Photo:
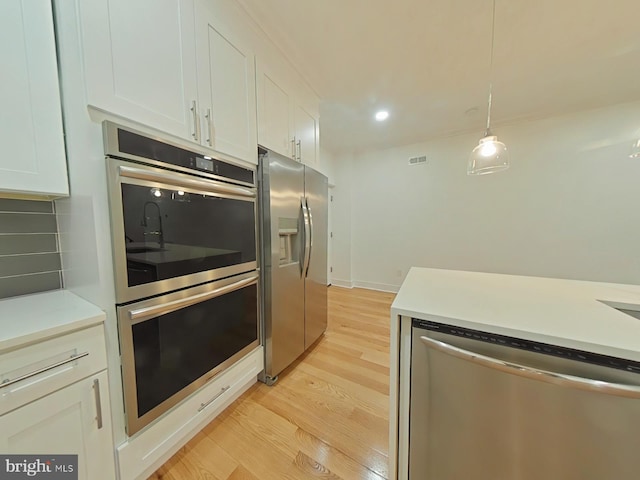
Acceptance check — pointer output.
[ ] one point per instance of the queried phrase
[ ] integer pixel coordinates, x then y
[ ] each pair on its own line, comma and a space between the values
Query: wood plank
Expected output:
356, 363
336, 430
348, 392
207, 456
313, 468
381, 358
327, 417
253, 452
337, 461
351, 372
242, 473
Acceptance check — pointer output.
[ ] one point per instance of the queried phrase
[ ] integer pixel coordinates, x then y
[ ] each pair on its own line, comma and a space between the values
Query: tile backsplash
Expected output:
29, 254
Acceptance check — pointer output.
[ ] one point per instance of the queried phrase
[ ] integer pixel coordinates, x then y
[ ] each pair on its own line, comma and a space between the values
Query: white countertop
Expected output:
568, 313
36, 317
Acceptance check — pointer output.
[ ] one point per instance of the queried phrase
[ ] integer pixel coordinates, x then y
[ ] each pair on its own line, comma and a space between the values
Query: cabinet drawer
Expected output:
29, 373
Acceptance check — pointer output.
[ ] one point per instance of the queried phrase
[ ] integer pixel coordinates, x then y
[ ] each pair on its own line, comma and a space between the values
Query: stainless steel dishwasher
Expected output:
491, 407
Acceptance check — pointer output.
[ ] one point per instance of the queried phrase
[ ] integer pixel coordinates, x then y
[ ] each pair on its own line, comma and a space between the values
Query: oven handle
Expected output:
150, 312
554, 378
173, 179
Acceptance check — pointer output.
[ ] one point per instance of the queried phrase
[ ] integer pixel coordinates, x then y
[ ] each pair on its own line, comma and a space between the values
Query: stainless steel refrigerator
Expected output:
293, 218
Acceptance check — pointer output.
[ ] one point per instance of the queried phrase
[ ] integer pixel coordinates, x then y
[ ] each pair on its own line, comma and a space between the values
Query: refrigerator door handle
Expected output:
307, 237
310, 244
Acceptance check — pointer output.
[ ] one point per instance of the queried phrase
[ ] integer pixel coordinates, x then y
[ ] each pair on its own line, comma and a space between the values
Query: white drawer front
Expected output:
29, 373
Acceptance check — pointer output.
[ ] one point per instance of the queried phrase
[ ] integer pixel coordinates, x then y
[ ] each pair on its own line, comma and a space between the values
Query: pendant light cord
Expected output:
493, 35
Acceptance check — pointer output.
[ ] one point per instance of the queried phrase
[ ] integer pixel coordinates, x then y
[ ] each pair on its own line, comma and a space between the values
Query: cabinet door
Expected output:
33, 157
306, 121
275, 122
226, 87
306, 125
66, 422
139, 61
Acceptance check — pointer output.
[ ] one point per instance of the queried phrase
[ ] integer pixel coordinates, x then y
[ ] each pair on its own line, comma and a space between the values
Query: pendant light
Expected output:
490, 155
635, 150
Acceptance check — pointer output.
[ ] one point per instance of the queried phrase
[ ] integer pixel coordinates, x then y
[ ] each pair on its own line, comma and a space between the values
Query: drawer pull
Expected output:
96, 392
72, 358
206, 404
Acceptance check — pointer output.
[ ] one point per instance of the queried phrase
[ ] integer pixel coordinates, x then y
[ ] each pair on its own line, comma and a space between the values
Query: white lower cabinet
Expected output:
74, 420
54, 400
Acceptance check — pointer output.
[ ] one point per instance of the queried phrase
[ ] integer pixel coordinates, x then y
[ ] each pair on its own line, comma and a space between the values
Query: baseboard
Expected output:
341, 283
383, 287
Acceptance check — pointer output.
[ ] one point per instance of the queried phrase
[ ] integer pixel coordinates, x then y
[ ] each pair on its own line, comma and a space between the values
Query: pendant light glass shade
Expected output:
488, 157
635, 150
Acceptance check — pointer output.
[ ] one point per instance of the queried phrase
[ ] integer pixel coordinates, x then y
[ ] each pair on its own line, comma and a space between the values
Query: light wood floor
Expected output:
327, 416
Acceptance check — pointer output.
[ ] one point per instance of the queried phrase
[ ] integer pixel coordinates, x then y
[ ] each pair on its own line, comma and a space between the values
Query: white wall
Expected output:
568, 207
326, 163
340, 258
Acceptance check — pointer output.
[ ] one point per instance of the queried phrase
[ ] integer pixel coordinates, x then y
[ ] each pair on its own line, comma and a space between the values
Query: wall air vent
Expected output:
418, 160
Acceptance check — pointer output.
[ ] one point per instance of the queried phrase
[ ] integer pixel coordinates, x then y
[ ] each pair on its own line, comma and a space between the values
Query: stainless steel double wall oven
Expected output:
184, 239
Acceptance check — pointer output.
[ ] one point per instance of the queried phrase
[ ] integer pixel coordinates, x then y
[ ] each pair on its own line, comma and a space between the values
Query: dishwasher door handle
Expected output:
554, 378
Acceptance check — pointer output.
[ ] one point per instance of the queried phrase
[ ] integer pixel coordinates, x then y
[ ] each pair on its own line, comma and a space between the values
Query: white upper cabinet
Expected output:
226, 86
288, 119
140, 62
306, 135
174, 66
275, 114
306, 119
33, 155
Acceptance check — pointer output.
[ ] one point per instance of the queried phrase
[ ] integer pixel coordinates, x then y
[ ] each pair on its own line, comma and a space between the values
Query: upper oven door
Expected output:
171, 230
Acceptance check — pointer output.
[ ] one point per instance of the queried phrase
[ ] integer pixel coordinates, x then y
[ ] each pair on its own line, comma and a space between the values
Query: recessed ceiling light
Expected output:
382, 115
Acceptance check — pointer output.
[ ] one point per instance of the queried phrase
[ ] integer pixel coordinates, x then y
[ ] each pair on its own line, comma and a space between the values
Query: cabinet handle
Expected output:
299, 151
207, 116
217, 395
293, 148
96, 393
194, 113
72, 358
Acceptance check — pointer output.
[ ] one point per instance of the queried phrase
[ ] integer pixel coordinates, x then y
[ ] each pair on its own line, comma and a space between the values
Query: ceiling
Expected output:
427, 62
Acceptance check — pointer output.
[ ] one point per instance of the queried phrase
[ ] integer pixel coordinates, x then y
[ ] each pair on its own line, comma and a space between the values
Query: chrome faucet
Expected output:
144, 223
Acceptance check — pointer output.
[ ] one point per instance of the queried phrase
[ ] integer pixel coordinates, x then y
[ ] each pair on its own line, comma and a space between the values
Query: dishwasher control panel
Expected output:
529, 345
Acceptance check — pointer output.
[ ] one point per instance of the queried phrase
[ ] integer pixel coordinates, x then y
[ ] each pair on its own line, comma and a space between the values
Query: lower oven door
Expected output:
173, 344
